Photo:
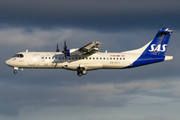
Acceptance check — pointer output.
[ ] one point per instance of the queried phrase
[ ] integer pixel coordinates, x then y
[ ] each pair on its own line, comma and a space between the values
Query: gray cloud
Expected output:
18, 97
158, 118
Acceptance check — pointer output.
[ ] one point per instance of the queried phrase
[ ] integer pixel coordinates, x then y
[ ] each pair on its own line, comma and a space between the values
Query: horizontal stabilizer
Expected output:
168, 58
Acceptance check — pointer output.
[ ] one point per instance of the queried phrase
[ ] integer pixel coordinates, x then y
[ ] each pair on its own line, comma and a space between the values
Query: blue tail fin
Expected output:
159, 44
155, 50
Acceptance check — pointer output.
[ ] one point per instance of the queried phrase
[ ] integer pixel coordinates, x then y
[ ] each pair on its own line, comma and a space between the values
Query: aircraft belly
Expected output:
87, 65
94, 66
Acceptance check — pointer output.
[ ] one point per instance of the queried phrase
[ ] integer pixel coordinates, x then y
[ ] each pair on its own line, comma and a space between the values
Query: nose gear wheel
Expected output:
15, 71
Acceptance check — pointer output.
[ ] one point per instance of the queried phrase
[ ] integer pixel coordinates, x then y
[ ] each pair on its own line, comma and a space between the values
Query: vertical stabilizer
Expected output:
159, 44
155, 50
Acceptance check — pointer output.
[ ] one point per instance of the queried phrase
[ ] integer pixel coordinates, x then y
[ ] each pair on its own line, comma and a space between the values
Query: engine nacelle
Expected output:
73, 52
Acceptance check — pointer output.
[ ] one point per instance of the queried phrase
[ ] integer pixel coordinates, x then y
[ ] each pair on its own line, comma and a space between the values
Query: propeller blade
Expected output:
57, 50
65, 46
65, 50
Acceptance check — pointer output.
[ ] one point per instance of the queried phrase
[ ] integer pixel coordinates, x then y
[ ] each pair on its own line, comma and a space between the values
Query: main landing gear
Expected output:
81, 71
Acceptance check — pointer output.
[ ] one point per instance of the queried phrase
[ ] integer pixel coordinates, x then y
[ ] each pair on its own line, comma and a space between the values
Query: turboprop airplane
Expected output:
88, 58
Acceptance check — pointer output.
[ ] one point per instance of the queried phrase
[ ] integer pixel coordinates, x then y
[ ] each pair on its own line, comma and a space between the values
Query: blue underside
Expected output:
146, 59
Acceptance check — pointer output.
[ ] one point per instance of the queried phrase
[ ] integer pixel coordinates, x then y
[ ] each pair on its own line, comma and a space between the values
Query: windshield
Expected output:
18, 55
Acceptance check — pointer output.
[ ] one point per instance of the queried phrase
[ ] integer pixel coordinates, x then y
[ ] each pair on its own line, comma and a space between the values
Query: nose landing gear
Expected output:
15, 71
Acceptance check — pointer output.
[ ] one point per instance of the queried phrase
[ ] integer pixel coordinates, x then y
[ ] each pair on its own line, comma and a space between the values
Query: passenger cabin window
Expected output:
19, 55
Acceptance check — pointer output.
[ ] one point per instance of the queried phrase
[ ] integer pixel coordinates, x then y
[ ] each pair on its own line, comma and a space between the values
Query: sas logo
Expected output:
158, 48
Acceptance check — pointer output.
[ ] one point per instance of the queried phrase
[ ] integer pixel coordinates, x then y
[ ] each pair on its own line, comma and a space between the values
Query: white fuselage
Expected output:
57, 60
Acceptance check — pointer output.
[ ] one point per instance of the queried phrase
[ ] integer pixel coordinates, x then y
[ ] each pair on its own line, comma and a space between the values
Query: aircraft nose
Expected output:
7, 62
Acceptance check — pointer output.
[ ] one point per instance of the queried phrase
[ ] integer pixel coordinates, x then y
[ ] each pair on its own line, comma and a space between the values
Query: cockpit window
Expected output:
19, 55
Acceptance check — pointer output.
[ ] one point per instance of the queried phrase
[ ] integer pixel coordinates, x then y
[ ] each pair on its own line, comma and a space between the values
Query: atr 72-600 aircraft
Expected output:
88, 58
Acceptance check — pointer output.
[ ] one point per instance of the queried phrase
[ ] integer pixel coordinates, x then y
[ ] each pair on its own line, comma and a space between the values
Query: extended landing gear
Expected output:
15, 71
81, 71
84, 72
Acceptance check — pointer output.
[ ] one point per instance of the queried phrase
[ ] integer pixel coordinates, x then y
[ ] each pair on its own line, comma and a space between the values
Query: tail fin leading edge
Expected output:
159, 44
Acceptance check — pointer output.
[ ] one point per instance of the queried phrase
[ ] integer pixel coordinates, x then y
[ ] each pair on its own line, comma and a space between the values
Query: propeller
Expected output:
65, 49
57, 49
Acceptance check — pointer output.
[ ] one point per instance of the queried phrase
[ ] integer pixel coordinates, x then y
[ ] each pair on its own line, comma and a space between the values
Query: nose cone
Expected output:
7, 62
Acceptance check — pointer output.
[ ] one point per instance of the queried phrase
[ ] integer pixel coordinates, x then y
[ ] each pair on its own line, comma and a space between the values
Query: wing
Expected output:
90, 48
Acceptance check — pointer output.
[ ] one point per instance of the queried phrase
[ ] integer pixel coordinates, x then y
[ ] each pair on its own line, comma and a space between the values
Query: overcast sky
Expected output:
149, 92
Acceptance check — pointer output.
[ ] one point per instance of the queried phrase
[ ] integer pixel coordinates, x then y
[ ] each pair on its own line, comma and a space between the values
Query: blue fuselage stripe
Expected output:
146, 59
